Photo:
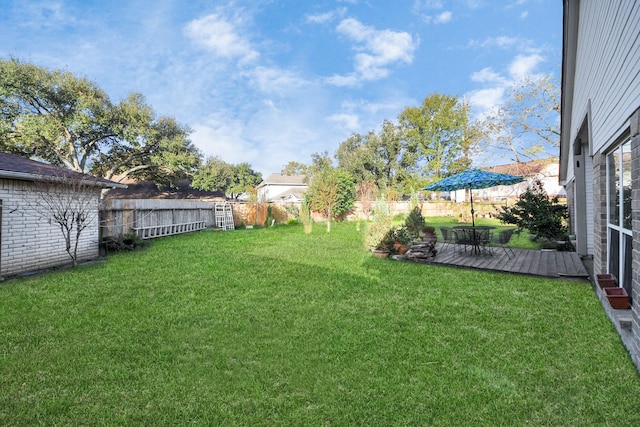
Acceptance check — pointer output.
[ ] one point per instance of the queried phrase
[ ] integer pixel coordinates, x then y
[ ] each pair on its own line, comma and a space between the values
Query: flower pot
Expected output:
617, 297
606, 280
429, 237
380, 253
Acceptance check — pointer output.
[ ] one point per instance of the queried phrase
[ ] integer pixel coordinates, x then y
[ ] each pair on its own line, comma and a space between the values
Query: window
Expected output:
620, 237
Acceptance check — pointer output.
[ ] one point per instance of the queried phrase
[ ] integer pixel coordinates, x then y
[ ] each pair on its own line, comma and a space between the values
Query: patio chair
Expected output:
502, 240
448, 236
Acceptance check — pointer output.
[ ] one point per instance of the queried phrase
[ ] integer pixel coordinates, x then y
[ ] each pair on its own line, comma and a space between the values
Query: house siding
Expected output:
30, 242
601, 104
608, 49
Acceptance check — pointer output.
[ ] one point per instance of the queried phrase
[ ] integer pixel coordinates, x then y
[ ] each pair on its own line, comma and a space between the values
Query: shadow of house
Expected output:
30, 237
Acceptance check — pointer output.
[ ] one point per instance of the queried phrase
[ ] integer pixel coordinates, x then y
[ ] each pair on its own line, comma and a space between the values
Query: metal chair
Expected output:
502, 240
448, 236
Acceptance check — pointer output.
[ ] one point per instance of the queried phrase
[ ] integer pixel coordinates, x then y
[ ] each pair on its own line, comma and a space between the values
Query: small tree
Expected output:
535, 211
414, 222
332, 192
305, 217
379, 226
70, 201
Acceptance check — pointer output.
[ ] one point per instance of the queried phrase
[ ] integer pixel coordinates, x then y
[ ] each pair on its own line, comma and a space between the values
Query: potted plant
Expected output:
429, 234
402, 240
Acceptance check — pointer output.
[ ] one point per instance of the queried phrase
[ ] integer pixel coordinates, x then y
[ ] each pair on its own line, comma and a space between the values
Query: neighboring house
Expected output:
545, 170
600, 144
29, 240
282, 188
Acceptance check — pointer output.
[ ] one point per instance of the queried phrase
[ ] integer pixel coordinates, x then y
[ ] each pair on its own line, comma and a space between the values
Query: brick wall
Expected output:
29, 240
599, 213
635, 206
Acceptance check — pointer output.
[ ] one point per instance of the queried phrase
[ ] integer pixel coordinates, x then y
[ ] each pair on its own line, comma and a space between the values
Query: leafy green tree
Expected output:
331, 191
378, 158
435, 133
214, 175
69, 121
535, 211
294, 168
233, 180
244, 179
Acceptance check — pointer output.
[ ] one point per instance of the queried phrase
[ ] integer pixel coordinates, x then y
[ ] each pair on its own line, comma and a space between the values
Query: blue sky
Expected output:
273, 81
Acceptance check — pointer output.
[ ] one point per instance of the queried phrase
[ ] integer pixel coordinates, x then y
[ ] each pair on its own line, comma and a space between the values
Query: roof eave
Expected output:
25, 176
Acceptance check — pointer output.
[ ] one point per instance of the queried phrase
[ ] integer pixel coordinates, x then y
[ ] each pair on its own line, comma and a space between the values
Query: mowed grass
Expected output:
275, 327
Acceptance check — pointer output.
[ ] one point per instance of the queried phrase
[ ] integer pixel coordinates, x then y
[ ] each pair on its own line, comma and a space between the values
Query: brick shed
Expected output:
30, 239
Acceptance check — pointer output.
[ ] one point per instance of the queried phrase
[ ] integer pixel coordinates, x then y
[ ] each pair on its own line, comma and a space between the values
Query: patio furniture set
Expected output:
477, 240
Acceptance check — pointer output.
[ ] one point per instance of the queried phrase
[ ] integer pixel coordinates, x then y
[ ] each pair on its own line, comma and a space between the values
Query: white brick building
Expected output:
30, 239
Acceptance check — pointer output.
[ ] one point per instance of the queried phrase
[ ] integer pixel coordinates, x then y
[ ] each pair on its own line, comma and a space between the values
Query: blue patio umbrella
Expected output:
473, 179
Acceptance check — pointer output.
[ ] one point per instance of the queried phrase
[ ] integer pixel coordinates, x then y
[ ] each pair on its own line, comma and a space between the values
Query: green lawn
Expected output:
275, 327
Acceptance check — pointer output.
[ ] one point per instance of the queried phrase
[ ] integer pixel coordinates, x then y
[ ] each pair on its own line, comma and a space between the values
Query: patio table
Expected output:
475, 237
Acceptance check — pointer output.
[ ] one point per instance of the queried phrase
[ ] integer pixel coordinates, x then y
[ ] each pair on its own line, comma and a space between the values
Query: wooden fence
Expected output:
160, 217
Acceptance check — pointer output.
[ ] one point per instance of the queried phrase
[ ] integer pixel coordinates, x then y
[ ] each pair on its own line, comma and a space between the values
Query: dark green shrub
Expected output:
414, 222
535, 211
125, 242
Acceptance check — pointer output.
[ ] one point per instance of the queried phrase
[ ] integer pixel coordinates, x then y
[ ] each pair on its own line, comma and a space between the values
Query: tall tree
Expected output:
294, 168
435, 133
214, 175
69, 121
233, 180
527, 126
244, 179
379, 158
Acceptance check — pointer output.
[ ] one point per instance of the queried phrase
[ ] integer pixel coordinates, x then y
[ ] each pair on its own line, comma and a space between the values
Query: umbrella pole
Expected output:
474, 238
473, 220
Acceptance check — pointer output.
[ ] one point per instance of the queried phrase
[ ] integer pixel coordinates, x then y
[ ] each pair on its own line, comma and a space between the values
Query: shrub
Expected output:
535, 211
125, 242
414, 222
379, 226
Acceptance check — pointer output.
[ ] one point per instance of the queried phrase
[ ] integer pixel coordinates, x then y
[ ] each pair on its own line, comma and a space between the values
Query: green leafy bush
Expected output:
538, 213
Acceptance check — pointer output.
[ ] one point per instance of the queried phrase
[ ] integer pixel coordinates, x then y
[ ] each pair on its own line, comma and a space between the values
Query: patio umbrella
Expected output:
473, 179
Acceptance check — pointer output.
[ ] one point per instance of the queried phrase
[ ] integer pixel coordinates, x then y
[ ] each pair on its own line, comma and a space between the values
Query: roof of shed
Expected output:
21, 168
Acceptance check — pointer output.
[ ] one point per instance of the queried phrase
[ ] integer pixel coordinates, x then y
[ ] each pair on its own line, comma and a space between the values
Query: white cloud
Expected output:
221, 36
524, 65
348, 122
45, 15
502, 42
276, 80
323, 18
487, 100
496, 85
487, 75
378, 50
442, 18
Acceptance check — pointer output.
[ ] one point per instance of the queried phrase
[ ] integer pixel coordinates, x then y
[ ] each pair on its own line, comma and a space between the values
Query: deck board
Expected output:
526, 261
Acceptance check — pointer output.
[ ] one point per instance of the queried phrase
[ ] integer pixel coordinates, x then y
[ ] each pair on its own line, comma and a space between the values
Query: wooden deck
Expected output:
525, 261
